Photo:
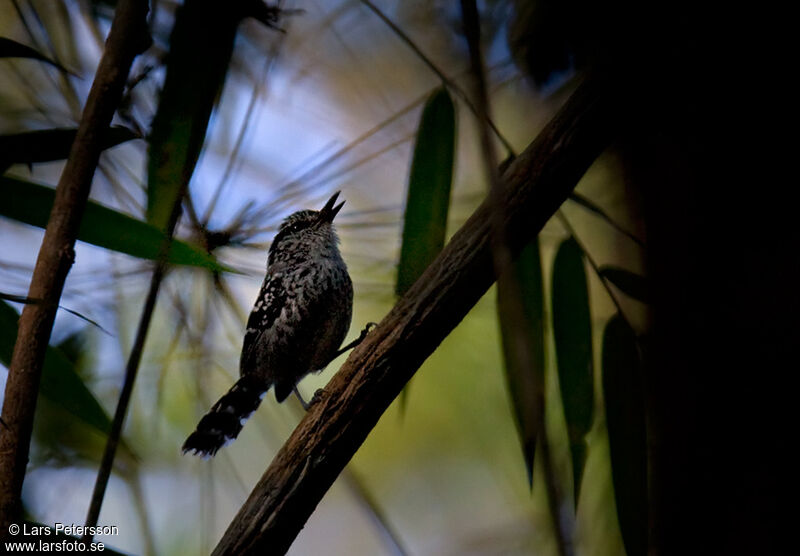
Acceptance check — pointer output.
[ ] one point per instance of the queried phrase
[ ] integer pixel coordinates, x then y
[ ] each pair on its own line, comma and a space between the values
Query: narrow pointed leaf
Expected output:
26, 300
12, 49
572, 331
429, 184
17, 298
630, 284
428, 202
623, 391
525, 385
200, 49
50, 144
31, 203
60, 383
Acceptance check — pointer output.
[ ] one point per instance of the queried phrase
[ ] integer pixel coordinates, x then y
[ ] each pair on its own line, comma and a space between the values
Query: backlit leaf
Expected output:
525, 385
31, 203
429, 184
572, 330
50, 144
200, 50
623, 391
428, 202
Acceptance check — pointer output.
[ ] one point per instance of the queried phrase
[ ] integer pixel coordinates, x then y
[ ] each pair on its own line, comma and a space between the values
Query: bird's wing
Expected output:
295, 328
268, 306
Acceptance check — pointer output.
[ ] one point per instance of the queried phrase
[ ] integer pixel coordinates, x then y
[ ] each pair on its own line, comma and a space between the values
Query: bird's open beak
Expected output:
329, 211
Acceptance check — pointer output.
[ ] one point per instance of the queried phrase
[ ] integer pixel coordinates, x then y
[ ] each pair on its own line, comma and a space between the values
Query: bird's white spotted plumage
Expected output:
297, 324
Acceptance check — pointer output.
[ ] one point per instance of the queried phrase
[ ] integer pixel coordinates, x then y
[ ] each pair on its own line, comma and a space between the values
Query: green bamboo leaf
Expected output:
60, 383
200, 49
630, 284
572, 331
623, 390
31, 203
12, 49
525, 386
429, 184
50, 144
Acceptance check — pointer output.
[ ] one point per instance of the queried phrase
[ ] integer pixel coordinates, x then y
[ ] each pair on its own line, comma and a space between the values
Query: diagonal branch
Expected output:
127, 38
534, 186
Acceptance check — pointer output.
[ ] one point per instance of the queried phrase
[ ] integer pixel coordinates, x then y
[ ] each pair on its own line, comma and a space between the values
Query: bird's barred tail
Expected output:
223, 423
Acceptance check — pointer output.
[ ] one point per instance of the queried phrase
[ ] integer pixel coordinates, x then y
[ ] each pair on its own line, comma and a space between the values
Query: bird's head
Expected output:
307, 228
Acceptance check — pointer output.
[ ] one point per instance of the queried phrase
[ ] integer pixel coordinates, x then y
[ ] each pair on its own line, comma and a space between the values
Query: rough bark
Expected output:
127, 38
535, 185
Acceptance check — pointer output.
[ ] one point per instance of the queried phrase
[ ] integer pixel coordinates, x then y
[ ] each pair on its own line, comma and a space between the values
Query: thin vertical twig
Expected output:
132, 366
131, 369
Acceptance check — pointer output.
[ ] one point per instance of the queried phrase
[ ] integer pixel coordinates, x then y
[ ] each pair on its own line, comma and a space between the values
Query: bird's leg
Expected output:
354, 343
317, 397
351, 345
300, 398
313, 401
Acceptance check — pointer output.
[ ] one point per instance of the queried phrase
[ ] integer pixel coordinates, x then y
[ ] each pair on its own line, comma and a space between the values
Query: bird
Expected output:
300, 318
